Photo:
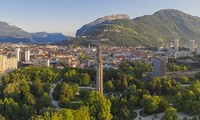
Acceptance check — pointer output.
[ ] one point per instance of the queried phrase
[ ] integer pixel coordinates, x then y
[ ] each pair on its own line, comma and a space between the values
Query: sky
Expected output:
66, 16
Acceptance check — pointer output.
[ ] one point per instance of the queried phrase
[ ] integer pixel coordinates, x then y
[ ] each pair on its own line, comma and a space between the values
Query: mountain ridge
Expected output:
99, 21
149, 30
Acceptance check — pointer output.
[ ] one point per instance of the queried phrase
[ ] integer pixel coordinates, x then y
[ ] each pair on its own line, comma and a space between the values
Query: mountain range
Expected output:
10, 33
148, 30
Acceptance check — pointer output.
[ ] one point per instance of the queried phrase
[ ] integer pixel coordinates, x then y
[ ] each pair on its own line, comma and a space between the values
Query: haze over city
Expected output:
67, 16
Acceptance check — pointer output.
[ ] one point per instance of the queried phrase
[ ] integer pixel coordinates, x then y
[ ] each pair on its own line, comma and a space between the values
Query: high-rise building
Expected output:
22, 55
159, 66
99, 69
176, 45
7, 64
48, 62
27, 55
17, 52
192, 45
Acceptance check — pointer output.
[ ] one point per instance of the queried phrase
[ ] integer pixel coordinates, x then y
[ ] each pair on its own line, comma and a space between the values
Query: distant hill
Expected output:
4, 39
48, 37
149, 30
10, 33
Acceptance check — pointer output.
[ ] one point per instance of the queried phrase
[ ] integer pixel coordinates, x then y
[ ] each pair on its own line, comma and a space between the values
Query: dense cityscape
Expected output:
171, 66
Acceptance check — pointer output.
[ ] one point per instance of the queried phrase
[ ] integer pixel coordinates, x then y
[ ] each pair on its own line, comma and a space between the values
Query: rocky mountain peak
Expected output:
117, 16
99, 21
110, 18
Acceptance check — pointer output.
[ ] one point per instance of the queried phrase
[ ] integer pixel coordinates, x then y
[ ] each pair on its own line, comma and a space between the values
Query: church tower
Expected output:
99, 69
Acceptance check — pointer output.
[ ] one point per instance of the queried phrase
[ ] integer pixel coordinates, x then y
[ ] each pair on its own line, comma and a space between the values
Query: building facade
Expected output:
176, 45
159, 66
192, 45
7, 64
22, 55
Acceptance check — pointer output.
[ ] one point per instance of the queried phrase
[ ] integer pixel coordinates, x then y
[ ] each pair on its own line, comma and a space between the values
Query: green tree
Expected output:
82, 113
109, 87
44, 101
124, 83
154, 104
6, 79
12, 90
12, 109
132, 102
163, 105
118, 85
154, 85
70, 75
27, 97
140, 68
184, 80
170, 114
37, 88
197, 76
66, 94
26, 112
84, 79
150, 104
125, 113
136, 69
169, 86
75, 88
1, 117
67, 114
98, 105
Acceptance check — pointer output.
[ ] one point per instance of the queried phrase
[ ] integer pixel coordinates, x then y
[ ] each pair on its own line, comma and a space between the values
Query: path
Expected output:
185, 85
89, 88
54, 102
180, 115
138, 114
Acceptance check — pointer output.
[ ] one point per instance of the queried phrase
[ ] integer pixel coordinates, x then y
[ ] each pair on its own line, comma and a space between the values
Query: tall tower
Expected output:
99, 69
176, 44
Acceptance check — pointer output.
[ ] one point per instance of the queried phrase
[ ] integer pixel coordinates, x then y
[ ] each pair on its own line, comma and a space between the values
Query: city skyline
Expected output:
68, 16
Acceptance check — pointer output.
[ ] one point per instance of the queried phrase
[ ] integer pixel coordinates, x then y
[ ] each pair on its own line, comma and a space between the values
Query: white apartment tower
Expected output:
176, 45
27, 55
192, 45
22, 55
17, 52
48, 62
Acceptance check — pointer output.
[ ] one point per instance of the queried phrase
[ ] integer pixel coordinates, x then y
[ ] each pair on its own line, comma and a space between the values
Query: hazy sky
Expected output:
67, 16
